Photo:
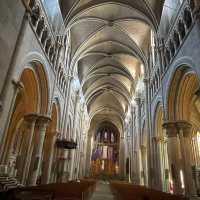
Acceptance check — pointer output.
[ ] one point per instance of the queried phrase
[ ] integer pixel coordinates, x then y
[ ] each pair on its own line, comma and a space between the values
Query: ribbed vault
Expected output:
109, 49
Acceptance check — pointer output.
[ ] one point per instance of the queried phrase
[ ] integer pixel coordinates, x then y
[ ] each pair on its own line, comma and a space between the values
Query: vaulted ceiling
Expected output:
109, 46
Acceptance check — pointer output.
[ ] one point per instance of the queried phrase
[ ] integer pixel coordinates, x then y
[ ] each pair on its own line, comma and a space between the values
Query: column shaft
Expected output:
30, 120
173, 145
184, 133
42, 123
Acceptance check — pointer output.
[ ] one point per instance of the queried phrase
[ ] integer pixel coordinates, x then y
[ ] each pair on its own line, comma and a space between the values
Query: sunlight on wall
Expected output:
198, 140
182, 179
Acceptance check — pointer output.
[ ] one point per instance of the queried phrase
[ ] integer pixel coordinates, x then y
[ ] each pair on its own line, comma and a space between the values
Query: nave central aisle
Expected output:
102, 191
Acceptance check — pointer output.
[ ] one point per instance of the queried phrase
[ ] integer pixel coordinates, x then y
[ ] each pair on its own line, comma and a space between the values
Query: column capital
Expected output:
30, 117
43, 120
185, 127
171, 128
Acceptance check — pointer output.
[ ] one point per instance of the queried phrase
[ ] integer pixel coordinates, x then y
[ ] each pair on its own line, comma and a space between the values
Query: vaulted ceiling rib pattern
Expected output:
109, 44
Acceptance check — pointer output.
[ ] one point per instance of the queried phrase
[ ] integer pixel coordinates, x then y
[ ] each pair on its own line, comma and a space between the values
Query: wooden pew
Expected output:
128, 191
71, 190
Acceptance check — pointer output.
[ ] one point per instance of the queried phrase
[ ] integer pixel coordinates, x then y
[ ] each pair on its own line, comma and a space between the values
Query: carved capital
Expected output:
184, 127
42, 121
171, 129
31, 117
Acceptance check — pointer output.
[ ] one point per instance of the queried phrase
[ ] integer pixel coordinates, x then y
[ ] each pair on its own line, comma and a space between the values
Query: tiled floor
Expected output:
102, 191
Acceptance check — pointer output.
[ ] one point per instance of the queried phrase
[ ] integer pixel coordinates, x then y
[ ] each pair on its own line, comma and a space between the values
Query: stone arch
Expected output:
43, 87
184, 114
27, 101
183, 87
31, 101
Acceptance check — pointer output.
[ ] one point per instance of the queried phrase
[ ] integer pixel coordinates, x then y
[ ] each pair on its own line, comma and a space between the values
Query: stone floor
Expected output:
102, 191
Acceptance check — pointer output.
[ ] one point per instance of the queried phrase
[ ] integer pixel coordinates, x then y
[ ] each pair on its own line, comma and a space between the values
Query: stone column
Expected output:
30, 120
42, 123
144, 163
122, 168
184, 129
74, 137
174, 155
159, 181
47, 172
66, 109
131, 129
148, 124
161, 48
137, 140
88, 155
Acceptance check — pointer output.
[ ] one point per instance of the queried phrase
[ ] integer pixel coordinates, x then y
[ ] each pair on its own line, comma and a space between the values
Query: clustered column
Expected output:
179, 152
174, 155
30, 120
41, 125
137, 141
184, 129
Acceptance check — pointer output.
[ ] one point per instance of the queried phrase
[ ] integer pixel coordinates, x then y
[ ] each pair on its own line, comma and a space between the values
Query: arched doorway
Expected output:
184, 113
160, 145
105, 152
